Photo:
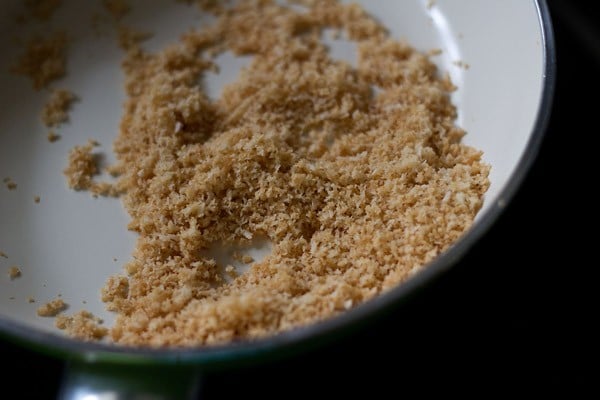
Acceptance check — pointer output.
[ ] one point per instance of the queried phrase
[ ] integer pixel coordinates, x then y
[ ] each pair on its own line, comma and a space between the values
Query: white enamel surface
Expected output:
67, 244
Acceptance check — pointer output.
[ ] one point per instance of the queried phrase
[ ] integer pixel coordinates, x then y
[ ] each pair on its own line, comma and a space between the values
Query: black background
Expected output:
515, 314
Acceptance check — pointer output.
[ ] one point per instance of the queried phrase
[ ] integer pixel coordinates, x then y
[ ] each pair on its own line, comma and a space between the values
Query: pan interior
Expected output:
69, 243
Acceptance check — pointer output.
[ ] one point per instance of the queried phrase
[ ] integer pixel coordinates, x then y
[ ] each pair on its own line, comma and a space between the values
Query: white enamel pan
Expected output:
67, 243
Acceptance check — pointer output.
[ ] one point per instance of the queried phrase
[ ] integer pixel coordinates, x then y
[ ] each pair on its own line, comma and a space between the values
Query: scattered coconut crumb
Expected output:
30, 299
52, 308
37, 199
113, 170
230, 270
42, 10
3, 254
462, 64
53, 137
246, 259
105, 189
82, 167
237, 256
10, 184
435, 52
430, 4
14, 273
117, 8
115, 291
130, 38
354, 191
82, 325
56, 110
44, 59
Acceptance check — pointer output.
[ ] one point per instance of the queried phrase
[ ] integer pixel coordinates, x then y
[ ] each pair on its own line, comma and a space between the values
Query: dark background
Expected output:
515, 314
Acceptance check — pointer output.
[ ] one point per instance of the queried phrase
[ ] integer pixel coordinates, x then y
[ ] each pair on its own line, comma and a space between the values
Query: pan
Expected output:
498, 54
